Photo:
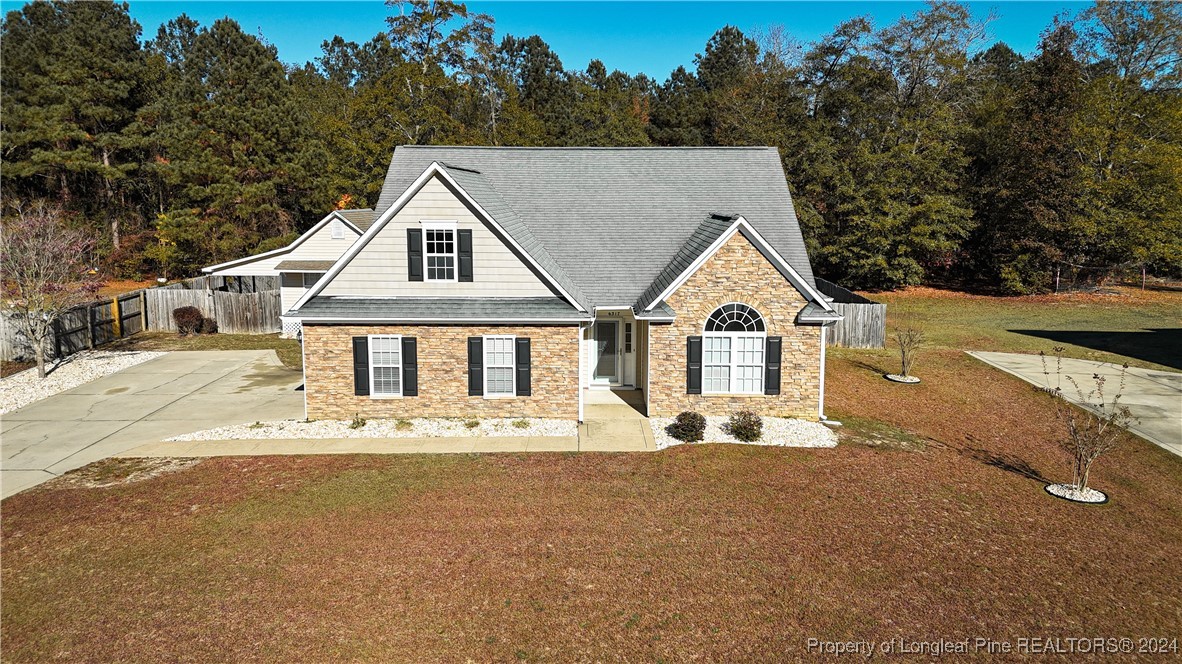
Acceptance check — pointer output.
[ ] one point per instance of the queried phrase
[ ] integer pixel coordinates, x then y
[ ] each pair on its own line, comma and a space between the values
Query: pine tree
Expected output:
74, 75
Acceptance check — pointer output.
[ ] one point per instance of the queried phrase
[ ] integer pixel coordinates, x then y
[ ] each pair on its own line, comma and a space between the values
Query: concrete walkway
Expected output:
1154, 397
612, 423
170, 395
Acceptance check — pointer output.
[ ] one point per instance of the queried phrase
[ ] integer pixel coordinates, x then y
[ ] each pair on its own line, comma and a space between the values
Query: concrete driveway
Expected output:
170, 395
1154, 397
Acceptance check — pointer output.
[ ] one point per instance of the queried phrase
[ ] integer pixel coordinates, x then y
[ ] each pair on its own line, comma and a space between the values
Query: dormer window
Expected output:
439, 241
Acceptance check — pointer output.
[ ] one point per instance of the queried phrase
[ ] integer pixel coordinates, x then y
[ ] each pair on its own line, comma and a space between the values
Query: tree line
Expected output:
914, 153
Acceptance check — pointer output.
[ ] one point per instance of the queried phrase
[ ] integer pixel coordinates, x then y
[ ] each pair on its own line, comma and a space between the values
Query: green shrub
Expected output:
688, 427
472, 424
188, 320
745, 425
521, 424
358, 422
403, 425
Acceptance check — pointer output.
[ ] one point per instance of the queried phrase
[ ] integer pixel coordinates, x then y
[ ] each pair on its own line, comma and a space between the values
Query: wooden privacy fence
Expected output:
236, 313
238, 310
85, 326
864, 322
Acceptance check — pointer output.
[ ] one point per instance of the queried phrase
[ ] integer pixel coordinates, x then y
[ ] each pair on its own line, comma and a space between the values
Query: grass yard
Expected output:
927, 522
288, 350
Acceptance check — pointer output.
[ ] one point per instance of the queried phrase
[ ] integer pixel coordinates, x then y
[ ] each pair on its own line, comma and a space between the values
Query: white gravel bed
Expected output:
1068, 491
413, 428
777, 431
22, 389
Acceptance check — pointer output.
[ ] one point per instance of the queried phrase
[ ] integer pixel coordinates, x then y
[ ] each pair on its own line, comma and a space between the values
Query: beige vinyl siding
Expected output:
291, 289
320, 246
379, 269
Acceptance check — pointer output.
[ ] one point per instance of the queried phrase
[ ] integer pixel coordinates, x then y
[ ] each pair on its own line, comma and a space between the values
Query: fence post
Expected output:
144, 310
115, 314
90, 326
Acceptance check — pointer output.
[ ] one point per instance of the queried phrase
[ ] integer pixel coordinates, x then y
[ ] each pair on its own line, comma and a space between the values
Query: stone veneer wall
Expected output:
737, 273
443, 373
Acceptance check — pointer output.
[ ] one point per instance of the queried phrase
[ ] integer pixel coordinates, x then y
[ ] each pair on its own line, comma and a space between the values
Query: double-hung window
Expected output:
499, 365
733, 351
385, 366
439, 239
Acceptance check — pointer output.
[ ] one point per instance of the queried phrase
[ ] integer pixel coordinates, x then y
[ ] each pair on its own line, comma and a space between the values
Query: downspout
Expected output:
821, 401
579, 380
303, 366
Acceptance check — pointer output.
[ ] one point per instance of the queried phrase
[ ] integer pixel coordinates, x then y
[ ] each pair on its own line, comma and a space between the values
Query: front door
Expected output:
606, 362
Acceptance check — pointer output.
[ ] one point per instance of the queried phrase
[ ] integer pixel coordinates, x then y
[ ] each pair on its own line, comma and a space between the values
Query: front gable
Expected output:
381, 267
701, 251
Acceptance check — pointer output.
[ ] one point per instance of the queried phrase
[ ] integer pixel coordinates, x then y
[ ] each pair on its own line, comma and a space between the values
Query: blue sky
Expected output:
649, 37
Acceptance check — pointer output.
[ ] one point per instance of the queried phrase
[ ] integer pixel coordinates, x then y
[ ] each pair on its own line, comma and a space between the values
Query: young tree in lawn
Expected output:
1094, 428
45, 270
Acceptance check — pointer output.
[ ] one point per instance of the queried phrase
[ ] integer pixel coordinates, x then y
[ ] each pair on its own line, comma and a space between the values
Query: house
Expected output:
301, 263
506, 282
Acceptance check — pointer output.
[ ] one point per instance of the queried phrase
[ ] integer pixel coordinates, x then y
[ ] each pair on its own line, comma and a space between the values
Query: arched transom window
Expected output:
733, 351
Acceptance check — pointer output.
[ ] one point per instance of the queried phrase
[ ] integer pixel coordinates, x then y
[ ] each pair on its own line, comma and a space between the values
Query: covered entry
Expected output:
613, 351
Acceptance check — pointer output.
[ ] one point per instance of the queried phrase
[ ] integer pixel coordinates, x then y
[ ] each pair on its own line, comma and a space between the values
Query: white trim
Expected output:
580, 381
442, 225
433, 170
813, 319
821, 400
283, 250
369, 350
741, 223
303, 365
485, 367
648, 364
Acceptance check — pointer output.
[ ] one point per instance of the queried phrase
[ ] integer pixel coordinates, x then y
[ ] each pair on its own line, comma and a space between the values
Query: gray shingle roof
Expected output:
478, 187
443, 309
697, 243
615, 218
304, 266
362, 218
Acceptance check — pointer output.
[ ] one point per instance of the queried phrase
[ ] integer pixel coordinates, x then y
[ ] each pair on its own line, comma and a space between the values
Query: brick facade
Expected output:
443, 373
737, 273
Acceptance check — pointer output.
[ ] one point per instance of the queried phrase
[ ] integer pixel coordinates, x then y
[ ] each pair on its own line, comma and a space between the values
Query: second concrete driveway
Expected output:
174, 394
1153, 397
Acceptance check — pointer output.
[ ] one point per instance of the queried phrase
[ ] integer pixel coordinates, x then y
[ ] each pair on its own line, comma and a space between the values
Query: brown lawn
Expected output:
928, 522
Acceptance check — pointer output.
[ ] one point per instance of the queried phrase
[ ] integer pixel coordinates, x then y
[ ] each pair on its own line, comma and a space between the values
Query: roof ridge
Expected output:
557, 148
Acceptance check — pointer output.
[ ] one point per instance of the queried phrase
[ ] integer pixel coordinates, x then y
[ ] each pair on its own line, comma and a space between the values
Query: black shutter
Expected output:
475, 366
410, 367
361, 366
693, 365
523, 372
414, 254
771, 371
465, 254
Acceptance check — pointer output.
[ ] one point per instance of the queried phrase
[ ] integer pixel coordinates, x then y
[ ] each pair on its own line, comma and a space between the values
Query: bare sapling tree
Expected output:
910, 339
1094, 428
44, 271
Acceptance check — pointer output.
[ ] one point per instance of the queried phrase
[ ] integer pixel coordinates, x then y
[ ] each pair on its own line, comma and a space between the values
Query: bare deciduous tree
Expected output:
1092, 430
910, 339
43, 269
